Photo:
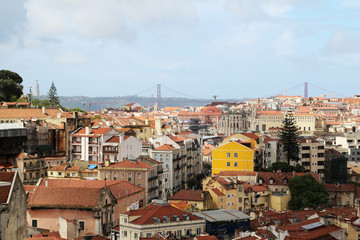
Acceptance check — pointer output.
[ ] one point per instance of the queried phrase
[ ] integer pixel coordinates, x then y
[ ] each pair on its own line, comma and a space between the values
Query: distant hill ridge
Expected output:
98, 103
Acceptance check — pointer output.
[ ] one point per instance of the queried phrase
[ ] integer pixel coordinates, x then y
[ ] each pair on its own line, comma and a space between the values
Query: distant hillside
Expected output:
98, 103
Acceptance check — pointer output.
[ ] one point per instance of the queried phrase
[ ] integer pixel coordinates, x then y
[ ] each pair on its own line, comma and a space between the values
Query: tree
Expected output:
195, 182
289, 137
307, 192
53, 97
10, 85
284, 167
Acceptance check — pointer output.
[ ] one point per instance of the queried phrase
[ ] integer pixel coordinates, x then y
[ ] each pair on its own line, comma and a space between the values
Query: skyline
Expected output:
233, 49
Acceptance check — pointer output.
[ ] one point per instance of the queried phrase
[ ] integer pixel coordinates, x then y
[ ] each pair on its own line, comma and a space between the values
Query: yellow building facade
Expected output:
232, 156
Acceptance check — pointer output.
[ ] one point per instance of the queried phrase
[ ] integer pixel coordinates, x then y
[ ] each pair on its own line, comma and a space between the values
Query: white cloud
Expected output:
70, 58
285, 45
112, 19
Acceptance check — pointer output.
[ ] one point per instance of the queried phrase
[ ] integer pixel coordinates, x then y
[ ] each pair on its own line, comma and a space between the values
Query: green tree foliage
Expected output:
289, 137
41, 103
10, 86
284, 167
53, 97
196, 181
76, 110
307, 192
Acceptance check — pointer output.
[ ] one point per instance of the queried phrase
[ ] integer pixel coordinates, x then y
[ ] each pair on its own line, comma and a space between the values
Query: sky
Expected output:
199, 48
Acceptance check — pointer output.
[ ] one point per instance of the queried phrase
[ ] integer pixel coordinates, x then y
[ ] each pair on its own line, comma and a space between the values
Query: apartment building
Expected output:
137, 172
312, 155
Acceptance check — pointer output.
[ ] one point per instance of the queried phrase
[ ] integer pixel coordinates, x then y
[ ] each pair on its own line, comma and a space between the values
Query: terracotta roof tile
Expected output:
6, 177
65, 197
165, 147
129, 164
189, 195
152, 210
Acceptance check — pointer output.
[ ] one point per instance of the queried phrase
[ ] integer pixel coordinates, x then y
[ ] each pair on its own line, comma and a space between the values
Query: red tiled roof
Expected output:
251, 135
189, 195
65, 197
5, 190
129, 164
277, 177
153, 210
96, 131
117, 187
26, 113
165, 147
339, 188
210, 237
217, 192
236, 173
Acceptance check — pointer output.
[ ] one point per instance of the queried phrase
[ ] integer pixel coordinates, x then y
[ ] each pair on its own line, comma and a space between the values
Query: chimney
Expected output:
46, 183
43, 110
87, 130
146, 121
121, 138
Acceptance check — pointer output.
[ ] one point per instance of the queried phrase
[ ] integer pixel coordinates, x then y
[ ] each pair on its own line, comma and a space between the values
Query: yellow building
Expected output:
226, 193
279, 201
233, 156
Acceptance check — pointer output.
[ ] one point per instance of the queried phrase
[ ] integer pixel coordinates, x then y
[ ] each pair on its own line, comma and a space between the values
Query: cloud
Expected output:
12, 18
111, 20
285, 45
70, 58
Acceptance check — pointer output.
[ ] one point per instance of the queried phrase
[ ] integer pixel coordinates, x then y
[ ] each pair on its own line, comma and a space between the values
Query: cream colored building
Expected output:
158, 217
274, 119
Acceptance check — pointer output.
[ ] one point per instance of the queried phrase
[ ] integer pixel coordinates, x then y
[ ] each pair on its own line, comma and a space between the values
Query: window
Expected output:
115, 175
232, 195
178, 233
125, 233
106, 175
59, 173
235, 164
240, 189
271, 181
260, 181
129, 177
228, 204
149, 234
34, 223
82, 225
68, 174
139, 175
236, 155
198, 231
122, 175
221, 199
51, 173
228, 196
228, 164
228, 155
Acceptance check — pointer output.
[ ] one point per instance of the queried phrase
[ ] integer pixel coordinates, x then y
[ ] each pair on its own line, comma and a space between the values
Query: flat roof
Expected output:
222, 215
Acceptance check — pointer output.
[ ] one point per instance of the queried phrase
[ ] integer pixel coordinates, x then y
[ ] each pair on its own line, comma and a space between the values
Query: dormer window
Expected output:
260, 181
285, 181
271, 181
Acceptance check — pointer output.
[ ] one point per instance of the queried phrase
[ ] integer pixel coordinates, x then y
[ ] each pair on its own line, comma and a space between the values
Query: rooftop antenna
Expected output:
215, 96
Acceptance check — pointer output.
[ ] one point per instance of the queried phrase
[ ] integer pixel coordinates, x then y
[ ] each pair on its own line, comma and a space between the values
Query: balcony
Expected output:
152, 178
